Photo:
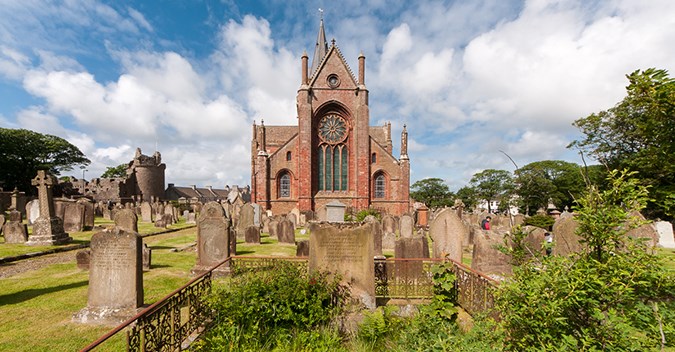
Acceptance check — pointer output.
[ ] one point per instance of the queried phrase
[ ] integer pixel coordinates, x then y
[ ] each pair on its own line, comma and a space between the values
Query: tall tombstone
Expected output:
147, 214
321, 214
533, 242
486, 257
302, 248
286, 231
389, 224
665, 231
273, 228
447, 232
252, 235
257, 214
32, 211
73, 217
246, 214
376, 230
213, 239
565, 239
47, 229
88, 213
296, 212
115, 278
348, 252
407, 225
292, 218
2, 221
171, 211
127, 220
14, 229
409, 248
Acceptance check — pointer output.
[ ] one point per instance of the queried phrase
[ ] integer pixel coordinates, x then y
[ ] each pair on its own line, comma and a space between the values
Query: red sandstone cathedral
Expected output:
333, 154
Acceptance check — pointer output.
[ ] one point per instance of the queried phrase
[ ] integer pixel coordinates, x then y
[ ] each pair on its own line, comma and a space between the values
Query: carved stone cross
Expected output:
44, 183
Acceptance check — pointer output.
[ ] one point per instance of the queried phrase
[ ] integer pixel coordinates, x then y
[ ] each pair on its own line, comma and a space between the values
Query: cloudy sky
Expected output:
469, 78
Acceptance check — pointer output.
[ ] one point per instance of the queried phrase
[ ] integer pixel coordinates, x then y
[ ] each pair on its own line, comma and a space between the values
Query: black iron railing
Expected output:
181, 316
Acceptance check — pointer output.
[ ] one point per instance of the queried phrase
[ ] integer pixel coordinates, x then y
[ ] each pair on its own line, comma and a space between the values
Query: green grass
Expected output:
668, 256
9, 250
36, 307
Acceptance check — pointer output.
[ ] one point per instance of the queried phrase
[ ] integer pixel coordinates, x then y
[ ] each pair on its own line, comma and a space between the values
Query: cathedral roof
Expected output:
320, 49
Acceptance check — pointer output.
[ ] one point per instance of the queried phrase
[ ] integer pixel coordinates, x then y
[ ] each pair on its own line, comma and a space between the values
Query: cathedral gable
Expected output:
333, 72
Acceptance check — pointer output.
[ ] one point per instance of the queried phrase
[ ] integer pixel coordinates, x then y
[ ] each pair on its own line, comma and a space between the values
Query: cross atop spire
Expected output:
321, 47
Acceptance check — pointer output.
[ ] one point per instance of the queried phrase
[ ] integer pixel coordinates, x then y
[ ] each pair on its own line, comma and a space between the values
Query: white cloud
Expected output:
140, 19
13, 64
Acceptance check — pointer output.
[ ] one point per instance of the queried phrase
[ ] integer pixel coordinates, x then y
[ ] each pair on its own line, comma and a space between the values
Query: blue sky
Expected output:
469, 78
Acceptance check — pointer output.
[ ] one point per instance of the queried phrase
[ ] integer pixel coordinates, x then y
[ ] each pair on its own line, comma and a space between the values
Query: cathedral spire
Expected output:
321, 47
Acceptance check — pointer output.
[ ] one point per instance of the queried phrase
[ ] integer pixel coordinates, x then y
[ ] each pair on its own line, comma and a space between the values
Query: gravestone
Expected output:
407, 225
252, 235
171, 212
107, 213
47, 228
646, 232
147, 257
83, 259
298, 218
389, 240
88, 213
127, 220
246, 214
73, 217
265, 225
518, 219
292, 218
213, 239
273, 228
486, 258
2, 222
565, 240
302, 248
389, 224
376, 230
346, 251
191, 219
533, 242
665, 230
146, 212
14, 230
257, 214
286, 231
408, 248
335, 212
32, 211
447, 232
115, 278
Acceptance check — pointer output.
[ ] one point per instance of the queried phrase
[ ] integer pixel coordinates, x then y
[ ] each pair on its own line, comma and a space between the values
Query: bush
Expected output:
616, 296
264, 309
361, 215
543, 221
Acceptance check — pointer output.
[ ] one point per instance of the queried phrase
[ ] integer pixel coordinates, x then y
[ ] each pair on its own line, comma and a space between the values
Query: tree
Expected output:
115, 171
491, 184
638, 134
23, 152
433, 192
549, 180
468, 197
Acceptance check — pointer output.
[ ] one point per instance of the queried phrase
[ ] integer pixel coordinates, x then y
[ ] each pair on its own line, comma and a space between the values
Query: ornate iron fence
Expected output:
168, 324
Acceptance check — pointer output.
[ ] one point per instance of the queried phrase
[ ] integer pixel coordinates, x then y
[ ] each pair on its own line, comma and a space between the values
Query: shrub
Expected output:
540, 220
257, 309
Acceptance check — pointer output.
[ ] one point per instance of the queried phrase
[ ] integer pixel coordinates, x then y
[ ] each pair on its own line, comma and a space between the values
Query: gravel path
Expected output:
22, 266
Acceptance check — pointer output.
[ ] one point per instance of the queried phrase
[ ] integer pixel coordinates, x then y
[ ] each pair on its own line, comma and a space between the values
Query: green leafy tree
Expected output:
115, 171
23, 152
491, 184
468, 197
433, 192
614, 296
638, 134
555, 180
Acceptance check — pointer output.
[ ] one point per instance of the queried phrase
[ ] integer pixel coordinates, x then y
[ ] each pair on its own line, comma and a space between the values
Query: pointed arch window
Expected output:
333, 155
285, 185
380, 186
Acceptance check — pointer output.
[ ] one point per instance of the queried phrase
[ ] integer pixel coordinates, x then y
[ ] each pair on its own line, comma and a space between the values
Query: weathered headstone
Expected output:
302, 248
115, 278
273, 228
14, 229
191, 219
257, 214
88, 213
296, 213
410, 248
292, 218
47, 228
147, 257
407, 226
127, 220
389, 224
376, 230
147, 214
73, 217
321, 214
348, 252
246, 214
2, 222
389, 240
447, 232
213, 238
286, 231
32, 211
487, 258
646, 232
665, 230
335, 212
565, 240
83, 259
252, 235
533, 242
